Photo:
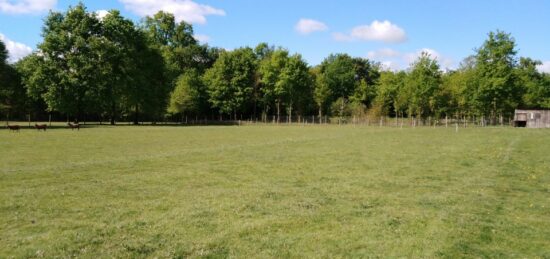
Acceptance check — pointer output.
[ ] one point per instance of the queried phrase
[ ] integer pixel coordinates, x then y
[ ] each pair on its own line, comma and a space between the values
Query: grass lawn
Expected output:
275, 191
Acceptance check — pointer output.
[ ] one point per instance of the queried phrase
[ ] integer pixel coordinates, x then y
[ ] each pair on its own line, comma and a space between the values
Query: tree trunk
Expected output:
255, 106
113, 113
341, 111
278, 110
136, 115
290, 113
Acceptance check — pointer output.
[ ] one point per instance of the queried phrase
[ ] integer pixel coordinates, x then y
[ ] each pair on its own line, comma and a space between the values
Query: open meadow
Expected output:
275, 191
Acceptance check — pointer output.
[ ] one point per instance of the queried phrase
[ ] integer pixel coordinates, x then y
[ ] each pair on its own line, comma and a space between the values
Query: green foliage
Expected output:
117, 51
86, 65
338, 72
3, 53
535, 85
263, 51
389, 97
341, 107
67, 78
13, 98
111, 67
422, 86
366, 78
231, 80
189, 94
364, 94
150, 90
350, 80
284, 79
461, 86
164, 30
296, 81
339, 75
270, 69
495, 63
180, 49
322, 94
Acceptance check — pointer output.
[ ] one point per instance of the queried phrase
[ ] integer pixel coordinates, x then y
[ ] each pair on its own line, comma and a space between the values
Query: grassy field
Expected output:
275, 191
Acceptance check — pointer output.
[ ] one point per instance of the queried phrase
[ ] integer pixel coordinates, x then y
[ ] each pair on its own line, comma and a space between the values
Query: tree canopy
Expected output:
111, 68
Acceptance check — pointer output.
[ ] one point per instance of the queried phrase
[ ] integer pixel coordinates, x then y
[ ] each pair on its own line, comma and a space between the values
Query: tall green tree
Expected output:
66, 76
463, 85
367, 74
149, 91
388, 88
117, 52
536, 90
180, 50
177, 44
498, 89
231, 81
274, 90
296, 82
5, 92
189, 96
13, 98
338, 72
423, 84
321, 92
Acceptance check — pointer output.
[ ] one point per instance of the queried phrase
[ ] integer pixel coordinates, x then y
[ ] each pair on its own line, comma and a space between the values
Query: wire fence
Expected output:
464, 122
411, 122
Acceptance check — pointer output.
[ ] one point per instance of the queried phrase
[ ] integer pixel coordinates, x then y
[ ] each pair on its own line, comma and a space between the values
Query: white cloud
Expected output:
383, 53
183, 10
101, 14
377, 31
307, 26
26, 6
394, 60
16, 50
202, 38
545, 67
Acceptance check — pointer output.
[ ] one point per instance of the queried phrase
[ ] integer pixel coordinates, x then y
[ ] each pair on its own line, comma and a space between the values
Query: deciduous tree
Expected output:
231, 81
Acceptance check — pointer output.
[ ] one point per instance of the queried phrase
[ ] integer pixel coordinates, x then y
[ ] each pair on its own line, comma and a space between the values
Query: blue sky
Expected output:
392, 32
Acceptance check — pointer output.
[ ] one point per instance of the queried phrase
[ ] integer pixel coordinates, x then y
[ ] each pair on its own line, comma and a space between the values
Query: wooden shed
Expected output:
532, 118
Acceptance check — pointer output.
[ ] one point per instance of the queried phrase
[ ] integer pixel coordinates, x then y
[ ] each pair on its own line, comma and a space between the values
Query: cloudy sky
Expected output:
392, 32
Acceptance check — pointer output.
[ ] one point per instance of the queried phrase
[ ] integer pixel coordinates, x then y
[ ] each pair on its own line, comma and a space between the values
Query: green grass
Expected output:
275, 191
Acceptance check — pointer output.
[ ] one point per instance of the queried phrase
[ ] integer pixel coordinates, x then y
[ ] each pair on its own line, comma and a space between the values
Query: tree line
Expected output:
108, 69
